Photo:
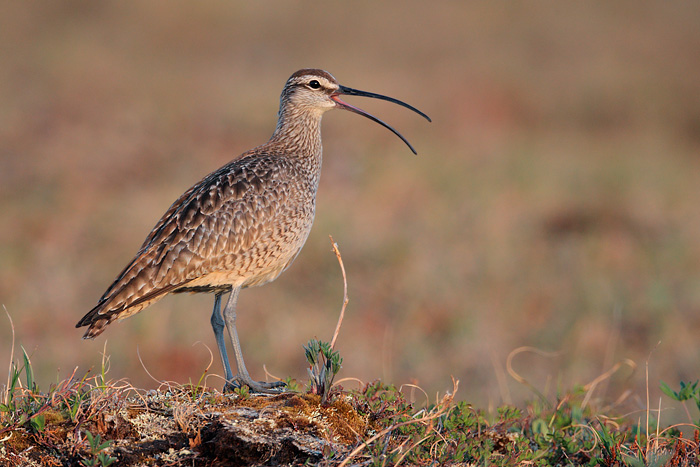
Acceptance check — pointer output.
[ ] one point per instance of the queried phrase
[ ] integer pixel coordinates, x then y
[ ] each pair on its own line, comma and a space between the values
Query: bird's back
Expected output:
240, 226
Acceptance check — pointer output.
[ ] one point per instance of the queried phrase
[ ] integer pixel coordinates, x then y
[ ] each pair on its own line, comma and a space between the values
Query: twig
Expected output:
590, 387
414, 386
6, 399
520, 379
357, 380
345, 291
646, 365
270, 375
143, 365
440, 410
205, 374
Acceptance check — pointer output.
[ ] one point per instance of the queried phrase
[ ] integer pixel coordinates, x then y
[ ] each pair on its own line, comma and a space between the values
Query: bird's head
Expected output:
317, 91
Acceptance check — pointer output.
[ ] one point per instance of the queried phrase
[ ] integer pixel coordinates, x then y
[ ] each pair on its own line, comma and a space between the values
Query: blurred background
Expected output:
553, 203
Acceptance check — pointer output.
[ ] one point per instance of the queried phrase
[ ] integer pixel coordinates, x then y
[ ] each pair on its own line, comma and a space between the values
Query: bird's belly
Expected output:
222, 279
262, 262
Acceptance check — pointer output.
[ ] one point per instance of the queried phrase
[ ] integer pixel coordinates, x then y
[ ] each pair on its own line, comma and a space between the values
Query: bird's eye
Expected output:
314, 84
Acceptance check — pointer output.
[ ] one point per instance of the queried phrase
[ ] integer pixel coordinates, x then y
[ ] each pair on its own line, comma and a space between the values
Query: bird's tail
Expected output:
96, 321
99, 317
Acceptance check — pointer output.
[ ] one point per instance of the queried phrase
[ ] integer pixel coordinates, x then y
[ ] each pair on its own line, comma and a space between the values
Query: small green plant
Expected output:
99, 458
38, 423
292, 384
687, 391
9, 403
196, 390
29, 372
243, 391
23, 406
324, 364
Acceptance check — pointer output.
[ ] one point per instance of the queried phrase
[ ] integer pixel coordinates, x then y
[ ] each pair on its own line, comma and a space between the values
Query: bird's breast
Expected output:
256, 238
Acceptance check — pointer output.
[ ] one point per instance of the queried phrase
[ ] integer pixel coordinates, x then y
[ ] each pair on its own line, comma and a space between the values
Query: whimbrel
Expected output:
241, 225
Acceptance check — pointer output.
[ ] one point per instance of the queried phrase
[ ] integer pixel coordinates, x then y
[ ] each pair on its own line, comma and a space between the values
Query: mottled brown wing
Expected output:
211, 228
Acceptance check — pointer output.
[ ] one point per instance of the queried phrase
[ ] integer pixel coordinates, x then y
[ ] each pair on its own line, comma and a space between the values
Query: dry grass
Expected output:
553, 203
92, 421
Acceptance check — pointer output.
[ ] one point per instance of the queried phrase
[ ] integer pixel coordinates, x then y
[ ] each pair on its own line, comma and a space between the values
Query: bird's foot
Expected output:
262, 387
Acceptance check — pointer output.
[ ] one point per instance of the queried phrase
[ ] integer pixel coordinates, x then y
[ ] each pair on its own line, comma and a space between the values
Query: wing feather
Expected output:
211, 228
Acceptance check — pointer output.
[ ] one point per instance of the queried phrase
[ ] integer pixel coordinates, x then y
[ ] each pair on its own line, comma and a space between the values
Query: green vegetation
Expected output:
97, 450
96, 422
687, 391
324, 365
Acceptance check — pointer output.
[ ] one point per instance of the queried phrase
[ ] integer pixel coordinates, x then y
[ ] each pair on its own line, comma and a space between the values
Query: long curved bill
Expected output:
344, 90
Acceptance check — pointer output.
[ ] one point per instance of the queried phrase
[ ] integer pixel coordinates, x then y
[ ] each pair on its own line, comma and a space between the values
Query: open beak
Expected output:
344, 90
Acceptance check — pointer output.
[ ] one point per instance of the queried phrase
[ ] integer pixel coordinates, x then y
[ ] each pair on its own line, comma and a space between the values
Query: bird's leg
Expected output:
242, 377
217, 324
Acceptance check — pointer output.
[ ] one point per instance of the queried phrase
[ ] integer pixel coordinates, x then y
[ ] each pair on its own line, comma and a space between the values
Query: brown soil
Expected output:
164, 428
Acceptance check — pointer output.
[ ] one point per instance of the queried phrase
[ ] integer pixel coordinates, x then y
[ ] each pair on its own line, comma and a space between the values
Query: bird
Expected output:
240, 226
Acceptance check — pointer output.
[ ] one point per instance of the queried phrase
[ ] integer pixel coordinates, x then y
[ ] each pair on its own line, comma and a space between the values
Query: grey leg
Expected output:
242, 377
217, 324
